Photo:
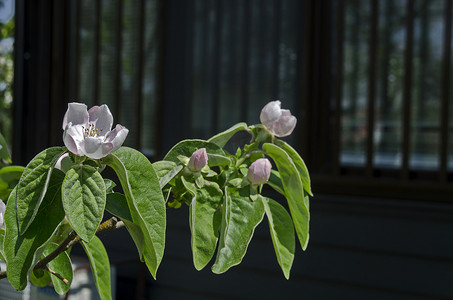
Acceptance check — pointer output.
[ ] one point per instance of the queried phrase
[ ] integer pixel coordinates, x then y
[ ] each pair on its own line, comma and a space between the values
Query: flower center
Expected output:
91, 131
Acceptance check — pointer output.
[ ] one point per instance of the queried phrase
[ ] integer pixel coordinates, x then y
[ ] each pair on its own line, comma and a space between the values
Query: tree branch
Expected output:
65, 281
72, 239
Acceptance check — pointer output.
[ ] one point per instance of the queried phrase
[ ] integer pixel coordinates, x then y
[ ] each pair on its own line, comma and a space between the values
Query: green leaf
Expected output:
100, 266
299, 163
188, 147
204, 224
145, 200
222, 138
40, 277
4, 152
11, 175
282, 233
2, 236
117, 205
166, 171
33, 185
23, 251
109, 185
276, 182
83, 194
294, 191
218, 160
61, 265
239, 220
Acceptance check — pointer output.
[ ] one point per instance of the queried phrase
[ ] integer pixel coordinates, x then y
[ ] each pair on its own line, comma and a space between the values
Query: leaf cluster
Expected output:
59, 199
225, 208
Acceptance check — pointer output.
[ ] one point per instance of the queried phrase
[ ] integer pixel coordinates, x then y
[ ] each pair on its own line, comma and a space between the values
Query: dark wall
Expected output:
359, 249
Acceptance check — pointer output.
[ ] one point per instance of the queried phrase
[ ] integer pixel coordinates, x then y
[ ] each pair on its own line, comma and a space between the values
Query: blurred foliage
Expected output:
6, 78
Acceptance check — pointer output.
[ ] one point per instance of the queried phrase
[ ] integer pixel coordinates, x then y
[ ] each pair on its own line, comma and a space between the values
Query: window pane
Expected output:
354, 102
427, 85
389, 100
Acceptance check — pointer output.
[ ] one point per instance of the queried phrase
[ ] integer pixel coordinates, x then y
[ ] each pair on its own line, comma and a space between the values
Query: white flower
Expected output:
279, 121
2, 213
198, 160
259, 171
89, 132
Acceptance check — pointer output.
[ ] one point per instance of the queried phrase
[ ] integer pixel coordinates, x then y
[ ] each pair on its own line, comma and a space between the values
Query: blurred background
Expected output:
369, 81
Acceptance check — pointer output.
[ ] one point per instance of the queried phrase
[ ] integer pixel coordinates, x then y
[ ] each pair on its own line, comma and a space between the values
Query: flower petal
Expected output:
72, 136
58, 163
92, 147
270, 113
102, 118
284, 126
76, 114
116, 137
259, 171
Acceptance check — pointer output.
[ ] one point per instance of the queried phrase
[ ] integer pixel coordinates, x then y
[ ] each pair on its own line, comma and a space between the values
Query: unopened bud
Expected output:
259, 171
279, 121
198, 160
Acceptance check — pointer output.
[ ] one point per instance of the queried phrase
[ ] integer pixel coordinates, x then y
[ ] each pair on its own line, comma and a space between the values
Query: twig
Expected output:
65, 281
72, 239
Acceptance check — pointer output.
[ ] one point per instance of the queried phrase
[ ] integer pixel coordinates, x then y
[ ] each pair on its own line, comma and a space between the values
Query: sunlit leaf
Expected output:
222, 138
23, 251
204, 223
299, 163
239, 220
100, 266
294, 191
33, 185
282, 233
83, 194
61, 265
145, 201
187, 147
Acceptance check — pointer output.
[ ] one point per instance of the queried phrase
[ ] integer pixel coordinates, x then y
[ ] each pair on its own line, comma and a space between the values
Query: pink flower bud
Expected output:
198, 160
2, 213
259, 171
279, 121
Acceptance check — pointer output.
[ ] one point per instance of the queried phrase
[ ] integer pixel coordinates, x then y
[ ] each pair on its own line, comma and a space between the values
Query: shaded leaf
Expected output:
282, 233
294, 191
276, 182
117, 206
4, 152
23, 251
33, 185
83, 194
239, 220
100, 266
